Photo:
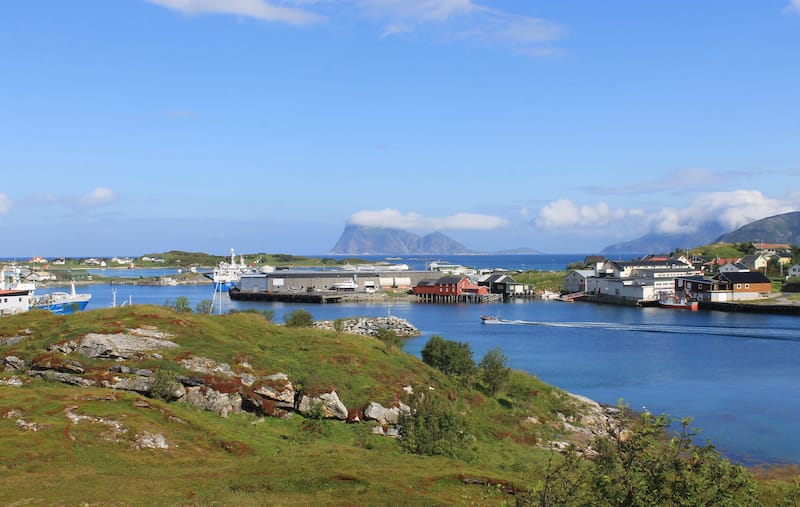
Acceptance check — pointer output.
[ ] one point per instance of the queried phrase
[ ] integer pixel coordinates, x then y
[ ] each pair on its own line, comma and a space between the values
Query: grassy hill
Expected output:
69, 445
245, 459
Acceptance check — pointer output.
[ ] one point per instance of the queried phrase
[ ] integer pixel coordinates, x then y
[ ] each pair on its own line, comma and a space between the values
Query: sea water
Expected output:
737, 375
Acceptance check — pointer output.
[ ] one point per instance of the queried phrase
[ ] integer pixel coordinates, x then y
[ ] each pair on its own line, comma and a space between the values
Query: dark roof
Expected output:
498, 278
449, 280
696, 279
743, 277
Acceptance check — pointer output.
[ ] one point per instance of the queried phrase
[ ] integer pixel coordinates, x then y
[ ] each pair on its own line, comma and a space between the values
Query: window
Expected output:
738, 286
747, 286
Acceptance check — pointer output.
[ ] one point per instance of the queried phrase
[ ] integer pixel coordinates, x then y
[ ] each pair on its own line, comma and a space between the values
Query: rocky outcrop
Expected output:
122, 345
13, 363
212, 400
384, 415
329, 404
592, 420
207, 366
370, 326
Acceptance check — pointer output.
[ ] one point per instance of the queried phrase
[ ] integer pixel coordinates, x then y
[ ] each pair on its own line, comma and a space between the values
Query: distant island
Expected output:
360, 240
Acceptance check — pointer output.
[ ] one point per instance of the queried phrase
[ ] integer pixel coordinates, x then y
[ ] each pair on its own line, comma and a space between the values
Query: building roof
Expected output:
498, 278
743, 277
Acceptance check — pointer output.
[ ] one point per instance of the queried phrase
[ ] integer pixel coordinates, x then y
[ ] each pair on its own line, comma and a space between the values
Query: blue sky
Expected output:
139, 126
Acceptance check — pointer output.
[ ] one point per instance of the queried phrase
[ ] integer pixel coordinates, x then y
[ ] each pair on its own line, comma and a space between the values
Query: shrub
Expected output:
433, 428
452, 358
493, 371
299, 318
180, 304
389, 337
165, 383
641, 467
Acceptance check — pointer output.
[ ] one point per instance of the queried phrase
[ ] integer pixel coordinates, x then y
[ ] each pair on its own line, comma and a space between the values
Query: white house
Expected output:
14, 301
793, 271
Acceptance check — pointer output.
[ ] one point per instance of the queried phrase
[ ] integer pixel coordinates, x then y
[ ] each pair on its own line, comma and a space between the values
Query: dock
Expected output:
286, 297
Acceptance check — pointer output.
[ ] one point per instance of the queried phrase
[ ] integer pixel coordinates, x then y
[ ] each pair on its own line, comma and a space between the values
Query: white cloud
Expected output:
258, 9
419, 10
445, 20
565, 213
729, 209
393, 218
466, 20
98, 196
794, 5
5, 204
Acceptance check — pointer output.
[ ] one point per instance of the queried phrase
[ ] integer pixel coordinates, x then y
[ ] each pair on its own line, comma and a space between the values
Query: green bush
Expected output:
180, 304
389, 337
299, 318
452, 358
433, 428
640, 467
165, 383
494, 371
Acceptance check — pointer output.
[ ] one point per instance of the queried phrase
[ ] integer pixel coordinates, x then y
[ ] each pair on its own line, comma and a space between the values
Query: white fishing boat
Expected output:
227, 274
61, 303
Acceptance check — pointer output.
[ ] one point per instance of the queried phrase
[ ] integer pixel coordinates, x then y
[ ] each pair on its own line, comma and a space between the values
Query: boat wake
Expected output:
739, 332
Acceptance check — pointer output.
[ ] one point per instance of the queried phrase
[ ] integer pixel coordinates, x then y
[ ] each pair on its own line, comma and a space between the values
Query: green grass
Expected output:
245, 460
242, 459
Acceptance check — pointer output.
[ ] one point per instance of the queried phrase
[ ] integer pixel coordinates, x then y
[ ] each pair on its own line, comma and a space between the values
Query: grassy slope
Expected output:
242, 459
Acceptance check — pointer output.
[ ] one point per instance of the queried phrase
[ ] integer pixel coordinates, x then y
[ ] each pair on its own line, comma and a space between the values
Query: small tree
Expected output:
494, 371
452, 358
165, 384
181, 305
299, 318
433, 428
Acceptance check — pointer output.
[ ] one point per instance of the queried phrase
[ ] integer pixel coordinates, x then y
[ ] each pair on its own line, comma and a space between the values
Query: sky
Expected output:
140, 126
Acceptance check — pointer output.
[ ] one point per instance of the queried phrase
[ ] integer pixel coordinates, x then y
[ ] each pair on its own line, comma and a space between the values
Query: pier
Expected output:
286, 297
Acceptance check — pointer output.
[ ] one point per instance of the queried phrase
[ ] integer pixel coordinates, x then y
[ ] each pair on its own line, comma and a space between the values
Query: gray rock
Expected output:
13, 363
213, 400
377, 412
207, 366
64, 378
65, 348
120, 345
285, 395
332, 406
137, 384
70, 366
147, 440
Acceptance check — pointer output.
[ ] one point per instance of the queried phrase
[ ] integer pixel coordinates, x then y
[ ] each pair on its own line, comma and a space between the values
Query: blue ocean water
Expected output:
737, 375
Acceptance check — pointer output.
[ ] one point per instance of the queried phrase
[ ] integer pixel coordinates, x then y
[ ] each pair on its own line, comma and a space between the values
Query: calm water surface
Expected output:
738, 375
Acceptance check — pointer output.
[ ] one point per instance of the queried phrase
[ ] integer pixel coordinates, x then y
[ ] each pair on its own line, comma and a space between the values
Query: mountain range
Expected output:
360, 240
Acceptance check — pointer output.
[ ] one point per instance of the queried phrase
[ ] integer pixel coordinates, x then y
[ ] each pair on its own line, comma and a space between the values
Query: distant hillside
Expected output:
783, 228
374, 240
660, 243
